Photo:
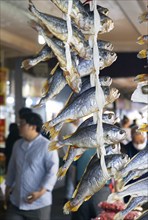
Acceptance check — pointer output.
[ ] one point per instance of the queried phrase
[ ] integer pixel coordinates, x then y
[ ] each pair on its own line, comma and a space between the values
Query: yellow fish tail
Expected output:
61, 173
54, 145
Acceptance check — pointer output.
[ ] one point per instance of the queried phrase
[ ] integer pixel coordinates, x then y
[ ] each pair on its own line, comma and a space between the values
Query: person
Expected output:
24, 110
89, 209
13, 136
31, 173
138, 143
125, 125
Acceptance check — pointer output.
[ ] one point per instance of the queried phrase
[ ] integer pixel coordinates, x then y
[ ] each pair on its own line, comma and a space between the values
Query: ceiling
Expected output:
17, 38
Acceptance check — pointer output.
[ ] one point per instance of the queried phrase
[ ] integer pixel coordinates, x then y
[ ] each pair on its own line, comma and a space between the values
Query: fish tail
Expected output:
67, 153
53, 132
45, 88
113, 197
68, 207
61, 172
140, 40
39, 104
26, 64
77, 157
54, 145
143, 128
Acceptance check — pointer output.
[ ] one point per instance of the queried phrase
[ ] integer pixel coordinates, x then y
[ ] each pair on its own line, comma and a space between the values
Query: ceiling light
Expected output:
41, 39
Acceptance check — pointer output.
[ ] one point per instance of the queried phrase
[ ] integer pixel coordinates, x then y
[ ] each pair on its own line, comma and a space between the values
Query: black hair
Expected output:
23, 111
13, 128
33, 119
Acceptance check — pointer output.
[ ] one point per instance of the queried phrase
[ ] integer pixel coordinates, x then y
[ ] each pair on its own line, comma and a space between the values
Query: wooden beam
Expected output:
16, 42
132, 11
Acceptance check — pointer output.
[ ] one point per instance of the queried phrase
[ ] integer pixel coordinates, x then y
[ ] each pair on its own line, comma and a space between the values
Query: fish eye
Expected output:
100, 59
109, 116
121, 132
123, 156
112, 53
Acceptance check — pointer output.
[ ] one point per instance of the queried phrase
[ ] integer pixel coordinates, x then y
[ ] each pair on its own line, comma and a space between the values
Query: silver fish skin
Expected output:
73, 79
133, 174
133, 203
85, 67
86, 137
106, 118
56, 83
58, 27
93, 180
139, 161
44, 54
104, 81
135, 189
83, 105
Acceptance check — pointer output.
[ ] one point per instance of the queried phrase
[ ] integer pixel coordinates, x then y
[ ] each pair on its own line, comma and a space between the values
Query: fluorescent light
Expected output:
41, 39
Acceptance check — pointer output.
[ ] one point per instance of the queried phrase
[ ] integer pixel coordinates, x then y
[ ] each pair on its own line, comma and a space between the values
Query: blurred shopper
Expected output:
31, 173
125, 125
24, 110
13, 136
90, 208
138, 142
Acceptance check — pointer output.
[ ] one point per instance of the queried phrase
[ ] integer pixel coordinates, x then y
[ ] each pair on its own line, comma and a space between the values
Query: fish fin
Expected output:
37, 105
113, 197
76, 190
87, 198
67, 136
141, 77
54, 69
142, 54
140, 40
143, 128
26, 64
45, 88
53, 132
61, 172
54, 145
67, 152
77, 157
68, 207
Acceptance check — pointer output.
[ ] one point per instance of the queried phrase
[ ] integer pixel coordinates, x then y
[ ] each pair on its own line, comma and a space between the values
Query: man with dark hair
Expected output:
31, 173
24, 110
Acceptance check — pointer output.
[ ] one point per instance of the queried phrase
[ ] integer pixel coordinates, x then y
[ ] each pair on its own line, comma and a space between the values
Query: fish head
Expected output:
112, 149
109, 117
116, 162
106, 81
109, 46
113, 95
107, 57
116, 135
107, 24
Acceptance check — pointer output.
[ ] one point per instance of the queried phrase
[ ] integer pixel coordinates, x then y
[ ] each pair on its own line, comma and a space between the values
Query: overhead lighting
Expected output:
41, 39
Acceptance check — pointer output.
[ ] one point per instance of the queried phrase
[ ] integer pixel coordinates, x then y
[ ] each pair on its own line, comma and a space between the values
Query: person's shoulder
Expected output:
43, 140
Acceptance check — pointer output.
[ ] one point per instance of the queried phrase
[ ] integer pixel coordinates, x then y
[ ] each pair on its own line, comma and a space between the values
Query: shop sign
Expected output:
3, 85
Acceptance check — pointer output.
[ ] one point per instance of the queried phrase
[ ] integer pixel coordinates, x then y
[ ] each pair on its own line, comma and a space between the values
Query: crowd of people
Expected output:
31, 170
